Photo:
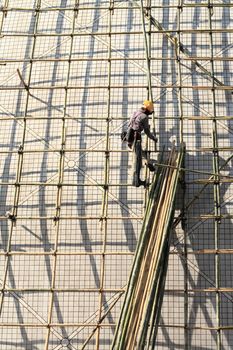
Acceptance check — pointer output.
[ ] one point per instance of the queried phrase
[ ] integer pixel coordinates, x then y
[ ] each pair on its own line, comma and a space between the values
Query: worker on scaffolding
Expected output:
139, 122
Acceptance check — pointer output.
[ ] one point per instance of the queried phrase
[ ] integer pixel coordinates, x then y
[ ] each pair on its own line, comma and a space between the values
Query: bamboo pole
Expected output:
104, 209
114, 118
124, 58
5, 9
104, 325
178, 55
147, 278
61, 167
216, 185
160, 290
138, 257
129, 86
80, 33
156, 258
155, 241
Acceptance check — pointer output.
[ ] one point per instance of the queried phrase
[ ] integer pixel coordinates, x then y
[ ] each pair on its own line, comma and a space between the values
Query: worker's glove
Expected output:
155, 138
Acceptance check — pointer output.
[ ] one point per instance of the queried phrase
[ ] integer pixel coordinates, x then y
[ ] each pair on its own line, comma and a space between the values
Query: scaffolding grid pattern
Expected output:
71, 75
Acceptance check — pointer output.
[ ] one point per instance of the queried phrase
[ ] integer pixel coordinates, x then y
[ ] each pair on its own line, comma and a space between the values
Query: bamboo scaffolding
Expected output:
184, 50
19, 167
138, 256
216, 178
141, 308
15, 183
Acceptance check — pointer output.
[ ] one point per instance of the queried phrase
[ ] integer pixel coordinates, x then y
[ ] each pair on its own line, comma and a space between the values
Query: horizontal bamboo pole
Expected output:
109, 253
81, 119
66, 253
66, 184
62, 290
74, 217
106, 325
196, 327
91, 87
106, 33
62, 325
54, 150
137, 218
93, 150
123, 7
103, 290
213, 251
112, 118
104, 58
198, 290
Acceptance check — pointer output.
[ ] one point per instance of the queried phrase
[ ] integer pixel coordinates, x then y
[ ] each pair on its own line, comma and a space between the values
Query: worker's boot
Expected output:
143, 183
137, 182
150, 166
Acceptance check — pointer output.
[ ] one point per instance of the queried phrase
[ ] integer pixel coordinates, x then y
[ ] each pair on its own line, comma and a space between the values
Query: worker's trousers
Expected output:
138, 154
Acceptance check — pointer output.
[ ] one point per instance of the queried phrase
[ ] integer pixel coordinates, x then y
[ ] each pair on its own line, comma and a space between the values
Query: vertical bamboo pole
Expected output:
149, 92
19, 168
147, 50
216, 185
59, 187
147, 58
104, 212
181, 132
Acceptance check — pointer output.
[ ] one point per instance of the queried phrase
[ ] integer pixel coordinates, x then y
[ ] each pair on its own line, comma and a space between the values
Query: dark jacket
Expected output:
140, 122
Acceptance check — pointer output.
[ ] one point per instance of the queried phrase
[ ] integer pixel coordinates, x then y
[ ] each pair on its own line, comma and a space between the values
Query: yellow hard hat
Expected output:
148, 105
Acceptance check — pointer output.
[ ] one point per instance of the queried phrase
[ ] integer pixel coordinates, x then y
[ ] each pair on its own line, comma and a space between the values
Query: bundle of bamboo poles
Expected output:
139, 318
